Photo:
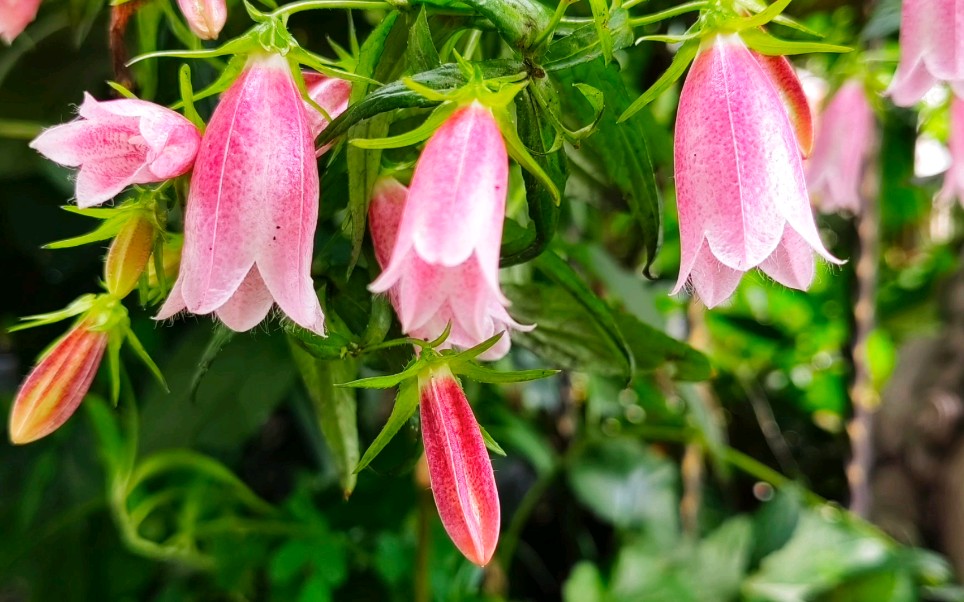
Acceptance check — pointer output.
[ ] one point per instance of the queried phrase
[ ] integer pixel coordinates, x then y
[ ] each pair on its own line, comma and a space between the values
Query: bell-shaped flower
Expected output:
252, 208
741, 193
118, 143
460, 471
931, 49
15, 15
204, 17
57, 384
329, 93
954, 177
846, 141
438, 241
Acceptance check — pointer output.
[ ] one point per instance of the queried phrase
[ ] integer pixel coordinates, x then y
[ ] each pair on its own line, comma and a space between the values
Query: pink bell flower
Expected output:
117, 143
439, 241
846, 142
252, 207
329, 93
57, 384
459, 468
931, 49
204, 17
741, 194
953, 187
15, 15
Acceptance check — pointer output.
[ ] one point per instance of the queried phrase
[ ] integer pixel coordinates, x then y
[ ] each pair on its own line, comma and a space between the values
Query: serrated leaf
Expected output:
519, 22
405, 404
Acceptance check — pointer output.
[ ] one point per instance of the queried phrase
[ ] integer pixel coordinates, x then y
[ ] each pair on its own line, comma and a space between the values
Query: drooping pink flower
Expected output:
117, 143
439, 240
846, 141
253, 206
329, 93
954, 177
57, 384
740, 186
931, 49
15, 15
204, 17
463, 483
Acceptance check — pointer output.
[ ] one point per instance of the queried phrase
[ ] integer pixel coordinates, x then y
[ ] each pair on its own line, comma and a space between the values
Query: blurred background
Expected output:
716, 476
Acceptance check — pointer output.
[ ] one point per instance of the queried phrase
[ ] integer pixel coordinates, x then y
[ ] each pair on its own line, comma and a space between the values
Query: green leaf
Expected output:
627, 485
421, 52
335, 409
387, 382
537, 132
600, 18
654, 350
412, 137
491, 443
622, 148
519, 22
584, 44
684, 56
769, 45
332, 347
584, 584
405, 404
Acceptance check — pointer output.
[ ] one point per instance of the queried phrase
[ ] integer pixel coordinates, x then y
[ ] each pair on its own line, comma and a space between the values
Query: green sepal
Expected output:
484, 374
491, 444
456, 359
684, 56
389, 381
518, 151
142, 355
76, 307
769, 45
415, 136
187, 97
406, 401
121, 89
761, 18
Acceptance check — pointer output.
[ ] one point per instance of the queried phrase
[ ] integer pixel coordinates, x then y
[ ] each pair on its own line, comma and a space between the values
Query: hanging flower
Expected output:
931, 49
741, 193
204, 17
15, 15
253, 205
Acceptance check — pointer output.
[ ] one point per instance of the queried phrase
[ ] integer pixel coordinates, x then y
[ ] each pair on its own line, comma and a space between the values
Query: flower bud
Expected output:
460, 471
204, 17
128, 255
57, 385
15, 15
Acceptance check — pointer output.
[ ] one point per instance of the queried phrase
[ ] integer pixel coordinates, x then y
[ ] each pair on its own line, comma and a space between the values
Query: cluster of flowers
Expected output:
743, 130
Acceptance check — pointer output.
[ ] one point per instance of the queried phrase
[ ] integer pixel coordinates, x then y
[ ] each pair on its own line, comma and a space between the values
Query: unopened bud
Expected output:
128, 255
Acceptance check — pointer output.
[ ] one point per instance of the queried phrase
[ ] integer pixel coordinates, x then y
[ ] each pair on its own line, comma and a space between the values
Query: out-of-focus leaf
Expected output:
653, 350
822, 553
626, 484
584, 45
584, 584
335, 409
621, 147
406, 403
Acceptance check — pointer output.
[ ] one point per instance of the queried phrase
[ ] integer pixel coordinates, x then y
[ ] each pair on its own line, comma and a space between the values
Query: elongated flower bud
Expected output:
463, 483
57, 385
128, 255
204, 17
15, 15
249, 227
117, 143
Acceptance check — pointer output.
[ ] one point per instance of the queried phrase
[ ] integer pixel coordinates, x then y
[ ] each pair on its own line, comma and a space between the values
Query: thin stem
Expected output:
297, 7
761, 471
664, 14
423, 550
19, 130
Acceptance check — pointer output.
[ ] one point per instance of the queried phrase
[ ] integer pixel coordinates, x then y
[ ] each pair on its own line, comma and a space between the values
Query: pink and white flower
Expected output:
931, 49
117, 143
253, 206
463, 483
846, 142
329, 93
15, 15
205, 17
953, 187
741, 191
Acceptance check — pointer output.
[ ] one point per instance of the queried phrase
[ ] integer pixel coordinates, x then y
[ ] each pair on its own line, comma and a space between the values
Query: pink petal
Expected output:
792, 263
205, 17
463, 483
712, 281
248, 306
331, 94
787, 84
384, 216
15, 15
174, 304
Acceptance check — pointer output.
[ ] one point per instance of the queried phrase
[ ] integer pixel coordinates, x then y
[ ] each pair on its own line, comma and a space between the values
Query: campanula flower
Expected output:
741, 192
931, 49
117, 143
204, 17
252, 208
329, 93
15, 15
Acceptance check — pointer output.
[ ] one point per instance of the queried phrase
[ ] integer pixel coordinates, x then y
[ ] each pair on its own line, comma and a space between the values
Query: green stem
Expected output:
665, 14
761, 471
19, 130
297, 7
